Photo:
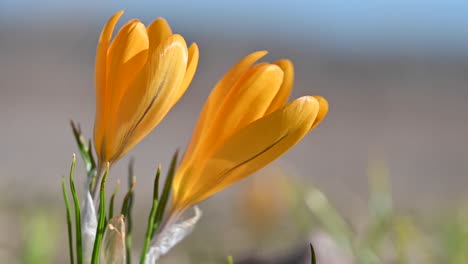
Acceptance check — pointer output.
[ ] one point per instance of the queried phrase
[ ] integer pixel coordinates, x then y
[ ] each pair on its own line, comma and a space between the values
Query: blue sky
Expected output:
407, 23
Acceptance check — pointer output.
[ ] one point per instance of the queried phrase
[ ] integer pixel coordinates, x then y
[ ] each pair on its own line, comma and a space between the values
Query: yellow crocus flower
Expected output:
140, 75
245, 124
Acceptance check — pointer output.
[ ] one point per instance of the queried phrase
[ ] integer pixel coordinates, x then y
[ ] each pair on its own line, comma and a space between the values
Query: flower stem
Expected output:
101, 220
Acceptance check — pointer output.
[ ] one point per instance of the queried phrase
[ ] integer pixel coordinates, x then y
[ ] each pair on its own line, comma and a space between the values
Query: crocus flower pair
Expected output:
245, 124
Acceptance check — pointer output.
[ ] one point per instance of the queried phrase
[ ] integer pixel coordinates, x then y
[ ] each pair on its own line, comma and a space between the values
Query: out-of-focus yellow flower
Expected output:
244, 125
140, 75
264, 200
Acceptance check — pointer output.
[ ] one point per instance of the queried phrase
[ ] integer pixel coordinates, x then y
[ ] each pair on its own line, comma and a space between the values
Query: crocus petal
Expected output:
100, 76
322, 111
250, 149
127, 55
140, 75
193, 56
158, 31
113, 249
255, 90
288, 81
153, 93
217, 96
88, 227
170, 236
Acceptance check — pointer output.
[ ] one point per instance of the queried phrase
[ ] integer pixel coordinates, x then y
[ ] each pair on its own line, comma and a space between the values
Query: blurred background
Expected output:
394, 72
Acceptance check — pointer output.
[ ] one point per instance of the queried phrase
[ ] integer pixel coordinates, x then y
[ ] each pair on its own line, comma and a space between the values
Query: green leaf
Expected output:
112, 200
165, 195
85, 150
313, 259
156, 183
76, 204
230, 260
151, 221
127, 202
69, 222
101, 220
127, 212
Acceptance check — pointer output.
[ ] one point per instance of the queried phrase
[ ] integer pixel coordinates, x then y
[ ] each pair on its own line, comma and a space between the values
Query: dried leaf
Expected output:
170, 236
88, 227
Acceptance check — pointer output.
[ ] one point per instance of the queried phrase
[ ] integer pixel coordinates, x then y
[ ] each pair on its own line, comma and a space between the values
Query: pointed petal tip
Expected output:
261, 53
160, 24
132, 23
286, 62
119, 13
288, 68
194, 54
256, 55
322, 112
264, 67
323, 102
286, 86
161, 20
177, 38
114, 19
307, 99
194, 47
252, 57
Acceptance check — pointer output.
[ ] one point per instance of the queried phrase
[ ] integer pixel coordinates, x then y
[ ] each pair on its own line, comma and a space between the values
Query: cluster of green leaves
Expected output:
156, 214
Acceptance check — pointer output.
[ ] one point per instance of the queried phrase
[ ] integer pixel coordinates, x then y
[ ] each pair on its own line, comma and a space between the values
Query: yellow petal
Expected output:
193, 57
100, 76
250, 149
153, 92
322, 111
288, 81
158, 31
247, 101
127, 56
217, 96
